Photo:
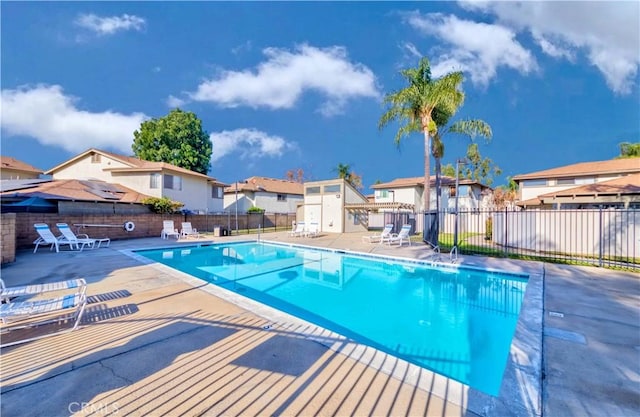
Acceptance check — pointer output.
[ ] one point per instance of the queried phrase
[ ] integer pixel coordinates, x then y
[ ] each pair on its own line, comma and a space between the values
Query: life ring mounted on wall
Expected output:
129, 226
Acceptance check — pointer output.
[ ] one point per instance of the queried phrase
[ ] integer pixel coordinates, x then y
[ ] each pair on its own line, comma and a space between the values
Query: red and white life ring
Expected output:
129, 226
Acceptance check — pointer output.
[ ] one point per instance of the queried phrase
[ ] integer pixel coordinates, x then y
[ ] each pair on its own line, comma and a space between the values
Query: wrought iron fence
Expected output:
603, 237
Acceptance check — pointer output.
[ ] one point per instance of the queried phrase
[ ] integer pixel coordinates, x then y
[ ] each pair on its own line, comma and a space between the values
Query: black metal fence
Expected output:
603, 237
230, 223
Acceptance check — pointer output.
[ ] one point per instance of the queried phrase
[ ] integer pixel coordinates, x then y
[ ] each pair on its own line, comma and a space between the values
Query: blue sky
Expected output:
287, 85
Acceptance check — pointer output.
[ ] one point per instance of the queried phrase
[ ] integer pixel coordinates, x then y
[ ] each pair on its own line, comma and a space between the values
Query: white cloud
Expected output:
476, 48
248, 143
110, 25
174, 102
608, 32
52, 118
279, 82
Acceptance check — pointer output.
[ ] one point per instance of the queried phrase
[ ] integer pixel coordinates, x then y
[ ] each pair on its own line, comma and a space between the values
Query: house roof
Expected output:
7, 162
78, 190
628, 184
270, 185
613, 166
419, 181
134, 165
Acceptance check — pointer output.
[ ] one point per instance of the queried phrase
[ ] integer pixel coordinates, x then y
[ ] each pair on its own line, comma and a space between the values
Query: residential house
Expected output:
13, 169
198, 192
336, 205
600, 184
410, 191
270, 194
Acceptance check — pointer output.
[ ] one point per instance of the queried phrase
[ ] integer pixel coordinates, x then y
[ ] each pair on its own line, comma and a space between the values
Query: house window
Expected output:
463, 191
95, 158
154, 181
172, 182
566, 181
216, 192
533, 183
312, 190
332, 188
452, 191
282, 197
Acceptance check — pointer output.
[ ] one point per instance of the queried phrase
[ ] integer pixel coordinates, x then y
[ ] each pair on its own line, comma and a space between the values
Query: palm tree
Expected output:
343, 170
421, 107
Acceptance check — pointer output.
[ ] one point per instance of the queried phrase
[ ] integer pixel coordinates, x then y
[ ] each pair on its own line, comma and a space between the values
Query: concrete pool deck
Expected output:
155, 343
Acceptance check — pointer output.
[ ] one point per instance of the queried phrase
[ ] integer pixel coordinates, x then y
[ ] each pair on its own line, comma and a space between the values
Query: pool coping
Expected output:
521, 389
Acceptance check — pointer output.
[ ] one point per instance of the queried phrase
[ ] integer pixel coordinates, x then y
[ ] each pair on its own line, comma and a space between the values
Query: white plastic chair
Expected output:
401, 237
48, 238
299, 230
69, 236
188, 230
168, 229
386, 232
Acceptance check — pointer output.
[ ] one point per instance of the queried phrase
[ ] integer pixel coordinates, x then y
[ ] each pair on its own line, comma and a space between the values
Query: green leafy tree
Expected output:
477, 168
629, 150
177, 139
422, 106
162, 205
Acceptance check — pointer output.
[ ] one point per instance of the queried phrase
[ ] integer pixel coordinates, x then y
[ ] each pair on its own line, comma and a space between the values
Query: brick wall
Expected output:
8, 242
146, 225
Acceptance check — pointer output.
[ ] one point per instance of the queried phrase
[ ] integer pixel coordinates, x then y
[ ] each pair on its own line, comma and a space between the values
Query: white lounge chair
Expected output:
47, 238
7, 293
386, 232
188, 230
313, 230
168, 229
401, 237
81, 240
25, 314
299, 230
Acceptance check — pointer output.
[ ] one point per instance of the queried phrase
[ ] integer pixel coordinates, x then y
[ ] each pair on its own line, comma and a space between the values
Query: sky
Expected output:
283, 86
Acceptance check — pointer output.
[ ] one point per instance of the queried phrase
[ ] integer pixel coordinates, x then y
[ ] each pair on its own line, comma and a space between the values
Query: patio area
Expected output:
156, 342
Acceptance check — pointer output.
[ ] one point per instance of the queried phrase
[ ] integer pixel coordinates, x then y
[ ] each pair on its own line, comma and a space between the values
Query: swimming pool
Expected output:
458, 322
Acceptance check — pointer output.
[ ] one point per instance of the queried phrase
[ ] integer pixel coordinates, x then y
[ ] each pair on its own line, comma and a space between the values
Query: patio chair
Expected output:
7, 293
313, 230
47, 238
401, 237
386, 232
299, 230
188, 230
28, 314
168, 229
81, 240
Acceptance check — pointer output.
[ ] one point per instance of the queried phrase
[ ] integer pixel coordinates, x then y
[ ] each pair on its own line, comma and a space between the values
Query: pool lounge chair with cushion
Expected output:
386, 232
26, 314
401, 237
7, 293
299, 230
81, 240
188, 230
168, 229
47, 238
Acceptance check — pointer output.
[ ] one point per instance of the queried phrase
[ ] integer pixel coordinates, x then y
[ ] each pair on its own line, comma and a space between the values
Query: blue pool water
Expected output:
456, 322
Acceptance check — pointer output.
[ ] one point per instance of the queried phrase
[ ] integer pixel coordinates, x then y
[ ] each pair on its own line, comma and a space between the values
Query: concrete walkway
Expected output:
156, 343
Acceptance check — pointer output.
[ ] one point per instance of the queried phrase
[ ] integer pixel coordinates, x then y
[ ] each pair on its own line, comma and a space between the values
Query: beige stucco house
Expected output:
410, 191
613, 183
270, 194
198, 192
13, 169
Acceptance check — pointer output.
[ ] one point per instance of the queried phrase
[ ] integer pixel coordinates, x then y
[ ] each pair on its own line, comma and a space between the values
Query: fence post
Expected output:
506, 234
600, 245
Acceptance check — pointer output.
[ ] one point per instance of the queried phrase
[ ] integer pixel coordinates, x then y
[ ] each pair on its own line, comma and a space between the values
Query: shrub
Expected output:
488, 232
254, 209
162, 205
